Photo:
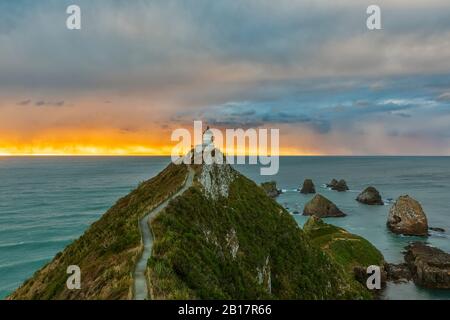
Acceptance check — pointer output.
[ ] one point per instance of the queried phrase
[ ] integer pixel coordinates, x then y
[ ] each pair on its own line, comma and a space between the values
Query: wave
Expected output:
21, 263
438, 234
61, 221
27, 243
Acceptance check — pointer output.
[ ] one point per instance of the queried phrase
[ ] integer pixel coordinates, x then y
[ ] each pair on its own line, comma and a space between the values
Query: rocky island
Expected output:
370, 196
321, 207
308, 187
407, 217
340, 185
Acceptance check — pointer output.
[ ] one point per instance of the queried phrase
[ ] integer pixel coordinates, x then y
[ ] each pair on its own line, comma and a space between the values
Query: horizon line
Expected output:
237, 155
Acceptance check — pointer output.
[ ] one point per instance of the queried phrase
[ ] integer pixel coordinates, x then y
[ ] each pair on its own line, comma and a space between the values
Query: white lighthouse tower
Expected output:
204, 152
208, 139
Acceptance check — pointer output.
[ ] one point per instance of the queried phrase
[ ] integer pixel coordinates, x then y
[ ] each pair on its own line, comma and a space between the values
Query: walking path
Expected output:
140, 281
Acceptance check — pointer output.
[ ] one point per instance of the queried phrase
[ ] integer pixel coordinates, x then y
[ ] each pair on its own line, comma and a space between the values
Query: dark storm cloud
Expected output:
42, 103
244, 63
24, 102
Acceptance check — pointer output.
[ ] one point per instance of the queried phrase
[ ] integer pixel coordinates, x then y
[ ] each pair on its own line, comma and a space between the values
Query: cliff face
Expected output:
222, 238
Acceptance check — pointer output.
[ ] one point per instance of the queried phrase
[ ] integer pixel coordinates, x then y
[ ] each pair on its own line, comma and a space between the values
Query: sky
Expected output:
139, 69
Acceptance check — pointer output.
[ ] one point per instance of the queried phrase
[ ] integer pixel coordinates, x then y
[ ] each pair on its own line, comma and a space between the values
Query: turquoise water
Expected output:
47, 202
426, 179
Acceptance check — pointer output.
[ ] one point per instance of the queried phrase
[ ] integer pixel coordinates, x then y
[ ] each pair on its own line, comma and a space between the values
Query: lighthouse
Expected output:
203, 151
208, 139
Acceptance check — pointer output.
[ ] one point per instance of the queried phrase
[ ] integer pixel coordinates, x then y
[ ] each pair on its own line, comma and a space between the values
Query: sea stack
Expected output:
308, 187
407, 217
332, 183
340, 185
370, 196
321, 207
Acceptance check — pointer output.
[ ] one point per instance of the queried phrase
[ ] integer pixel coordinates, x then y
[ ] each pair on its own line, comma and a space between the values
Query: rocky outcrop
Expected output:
321, 207
308, 187
232, 242
370, 196
264, 276
407, 217
340, 185
398, 272
215, 180
429, 266
332, 183
360, 274
271, 189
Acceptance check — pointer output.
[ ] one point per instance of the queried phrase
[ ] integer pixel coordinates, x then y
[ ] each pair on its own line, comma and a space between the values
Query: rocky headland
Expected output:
221, 238
353, 252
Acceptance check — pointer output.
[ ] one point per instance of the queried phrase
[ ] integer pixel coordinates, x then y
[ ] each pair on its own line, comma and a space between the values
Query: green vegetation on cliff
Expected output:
238, 244
108, 250
223, 238
347, 249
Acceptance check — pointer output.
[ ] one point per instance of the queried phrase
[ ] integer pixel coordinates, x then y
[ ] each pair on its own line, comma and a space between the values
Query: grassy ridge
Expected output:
347, 249
243, 247
108, 250
240, 246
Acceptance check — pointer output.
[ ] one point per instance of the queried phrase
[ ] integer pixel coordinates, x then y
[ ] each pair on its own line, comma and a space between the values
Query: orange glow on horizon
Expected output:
111, 142
119, 150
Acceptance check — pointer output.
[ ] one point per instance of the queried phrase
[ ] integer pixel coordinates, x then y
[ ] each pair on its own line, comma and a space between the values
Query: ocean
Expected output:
47, 202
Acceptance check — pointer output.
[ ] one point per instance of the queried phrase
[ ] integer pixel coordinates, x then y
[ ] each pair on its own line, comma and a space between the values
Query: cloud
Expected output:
401, 114
252, 114
49, 103
151, 44
24, 102
444, 96
310, 67
41, 103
